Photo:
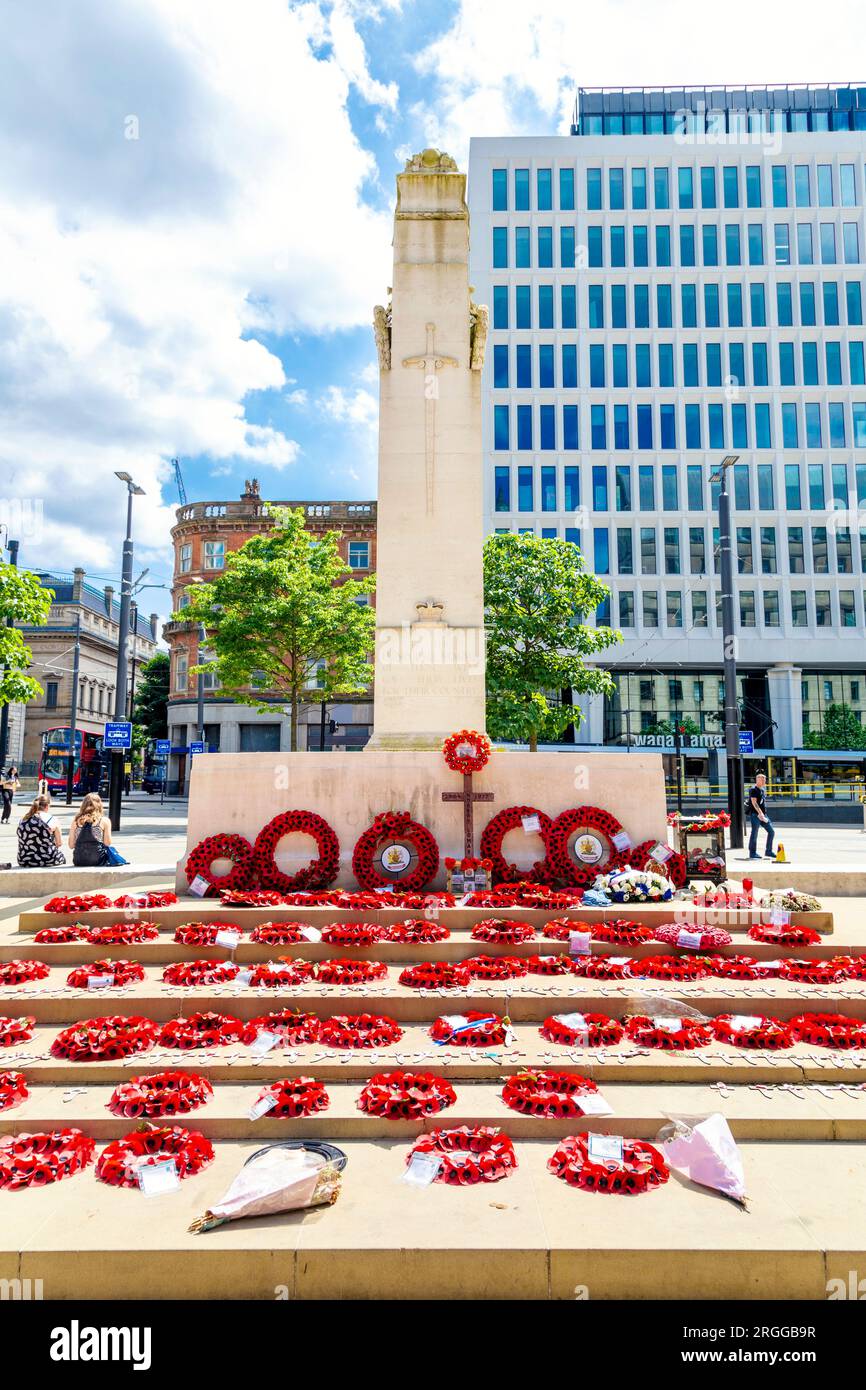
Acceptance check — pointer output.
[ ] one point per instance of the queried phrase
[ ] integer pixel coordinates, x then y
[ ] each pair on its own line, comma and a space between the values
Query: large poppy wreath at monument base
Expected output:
320, 872
534, 822
232, 847
395, 849
466, 751
581, 843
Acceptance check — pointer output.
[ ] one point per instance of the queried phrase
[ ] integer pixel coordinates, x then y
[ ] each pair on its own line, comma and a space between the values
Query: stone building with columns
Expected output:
203, 535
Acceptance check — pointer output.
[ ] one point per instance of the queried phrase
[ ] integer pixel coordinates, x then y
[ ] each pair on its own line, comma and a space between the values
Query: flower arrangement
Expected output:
203, 933
16, 1030
60, 936
669, 1034
33, 1160
551, 1094
78, 902
435, 974
350, 972
360, 1030
148, 897
22, 972
123, 934
118, 972
469, 1155
828, 1030
680, 968
814, 972
635, 886
621, 932
710, 938
406, 1095
417, 932
494, 833
278, 933
502, 931
496, 967
582, 1030
642, 1167
395, 826
161, 1093
641, 857
203, 1030
589, 826
791, 901
603, 967
289, 1025
467, 751
13, 1089
784, 935
121, 1161
232, 847
472, 1029
288, 972
105, 1039
301, 1095
707, 820
319, 873
352, 934
558, 964
757, 1031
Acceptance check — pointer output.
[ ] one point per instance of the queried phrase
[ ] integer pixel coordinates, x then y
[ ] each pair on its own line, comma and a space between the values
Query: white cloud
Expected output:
136, 274
358, 407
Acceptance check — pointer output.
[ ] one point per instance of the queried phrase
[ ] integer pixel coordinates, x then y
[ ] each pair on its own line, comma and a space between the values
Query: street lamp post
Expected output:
200, 687
732, 717
73, 712
118, 755
4, 713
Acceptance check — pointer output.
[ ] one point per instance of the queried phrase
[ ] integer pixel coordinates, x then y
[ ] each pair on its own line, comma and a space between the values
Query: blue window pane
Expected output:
689, 306
668, 430
644, 428
642, 365
710, 243
571, 488
790, 426
593, 190
569, 365
521, 190
572, 535
616, 189
666, 364
753, 185
784, 304
825, 185
522, 306
693, 427
732, 243
500, 365
547, 426
737, 363
601, 550
545, 306
663, 245
638, 189
817, 497
858, 424
756, 243
802, 191
787, 370
685, 187
833, 364
500, 306
570, 439
690, 365
757, 305
596, 365
548, 489
828, 243
687, 244
854, 301
836, 421
708, 186
714, 364
739, 427
544, 190
782, 243
598, 427
641, 306
568, 303
850, 243
808, 317
760, 366
856, 363
618, 306
599, 487
524, 490
545, 366
731, 186
763, 438
594, 246
596, 306
670, 486
522, 248
523, 362
814, 435
716, 426
620, 364
502, 490
620, 427
661, 188
545, 248
830, 296
640, 251
566, 190
524, 427
501, 439
735, 304
646, 487
500, 248
500, 190
793, 499
805, 249
566, 248
617, 246
712, 317
780, 186
664, 307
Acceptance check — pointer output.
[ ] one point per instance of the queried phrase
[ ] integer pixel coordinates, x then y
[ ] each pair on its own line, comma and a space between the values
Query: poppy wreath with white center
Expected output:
855, 966
319, 873
739, 968
105, 1039
485, 1030
33, 1160
350, 972
711, 938
500, 930
161, 1093
233, 847
493, 834
122, 1159
770, 1034
395, 825
558, 839
673, 868
149, 898
600, 1031
295, 1097
435, 974
121, 972
199, 972
360, 1030
13, 1089
642, 1167
406, 1095
288, 972
22, 972
828, 1030
472, 761
469, 1155
123, 934
551, 1094
204, 1030
417, 932
290, 1026
496, 967
16, 1030
691, 1034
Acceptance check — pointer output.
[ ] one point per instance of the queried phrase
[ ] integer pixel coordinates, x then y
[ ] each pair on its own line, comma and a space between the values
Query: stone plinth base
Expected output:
238, 793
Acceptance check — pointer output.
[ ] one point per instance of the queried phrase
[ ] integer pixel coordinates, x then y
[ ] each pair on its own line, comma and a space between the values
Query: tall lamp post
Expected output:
115, 790
73, 713
732, 717
4, 713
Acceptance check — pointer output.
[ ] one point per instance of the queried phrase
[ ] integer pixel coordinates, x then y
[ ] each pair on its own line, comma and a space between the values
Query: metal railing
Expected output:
701, 787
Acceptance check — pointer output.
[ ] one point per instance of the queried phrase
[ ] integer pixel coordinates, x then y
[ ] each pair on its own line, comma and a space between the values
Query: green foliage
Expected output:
150, 710
285, 602
23, 601
536, 593
842, 729
688, 727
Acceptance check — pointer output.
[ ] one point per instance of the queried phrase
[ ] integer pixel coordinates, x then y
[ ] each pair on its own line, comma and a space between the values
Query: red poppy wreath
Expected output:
395, 833
191, 973
673, 868
121, 1161
472, 1029
406, 1095
551, 1094
360, 1030
123, 934
16, 1030
290, 1026
161, 1093
468, 1155
320, 872
33, 1160
203, 1030
105, 1039
350, 972
417, 932
232, 847
752, 1030
294, 1097
115, 974
466, 751
435, 974
641, 1168
13, 1089
493, 835
582, 1030
580, 845
22, 972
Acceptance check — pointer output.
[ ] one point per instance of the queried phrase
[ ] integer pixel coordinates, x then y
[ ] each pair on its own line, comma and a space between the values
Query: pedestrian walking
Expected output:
756, 807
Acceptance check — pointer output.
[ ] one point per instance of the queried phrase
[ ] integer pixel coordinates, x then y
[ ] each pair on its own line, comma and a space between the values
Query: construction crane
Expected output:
178, 477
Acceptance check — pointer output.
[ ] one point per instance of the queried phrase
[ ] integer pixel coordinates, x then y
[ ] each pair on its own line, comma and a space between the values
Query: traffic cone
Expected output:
781, 856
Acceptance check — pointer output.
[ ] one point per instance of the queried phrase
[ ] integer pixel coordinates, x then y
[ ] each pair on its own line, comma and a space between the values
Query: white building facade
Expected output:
679, 280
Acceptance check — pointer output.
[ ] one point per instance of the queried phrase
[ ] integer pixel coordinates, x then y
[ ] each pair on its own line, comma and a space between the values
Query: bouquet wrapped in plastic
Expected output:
703, 1149
282, 1177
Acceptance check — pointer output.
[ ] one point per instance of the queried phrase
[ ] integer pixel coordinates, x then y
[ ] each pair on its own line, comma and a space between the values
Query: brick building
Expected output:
205, 532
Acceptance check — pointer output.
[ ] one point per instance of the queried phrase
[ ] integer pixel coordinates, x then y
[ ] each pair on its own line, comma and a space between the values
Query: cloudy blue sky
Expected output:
195, 218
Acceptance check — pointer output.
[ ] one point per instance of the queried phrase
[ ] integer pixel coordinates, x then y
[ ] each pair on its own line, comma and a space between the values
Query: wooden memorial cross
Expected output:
468, 797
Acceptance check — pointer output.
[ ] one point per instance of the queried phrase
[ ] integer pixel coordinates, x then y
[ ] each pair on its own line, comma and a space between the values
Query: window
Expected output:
805, 248
185, 559
757, 305
524, 489
545, 306
685, 187
710, 243
697, 550
670, 489
500, 306
802, 190
548, 489
500, 248
784, 304
847, 186
566, 247
522, 306
822, 608
753, 185
521, 190
624, 551
765, 487
569, 365
568, 307
545, 248
708, 186
571, 485
593, 190
731, 186
622, 488
570, 427
501, 428
747, 608
674, 608
695, 487
523, 362
816, 486
756, 243
616, 189
596, 364
699, 610
545, 366
780, 186
825, 185
599, 487
544, 190
850, 243
814, 434
768, 550
828, 243
763, 436
359, 555
502, 489
566, 190
547, 426
598, 427
500, 366
646, 487
626, 609
790, 428
799, 613
650, 609
181, 671
689, 306
601, 550
732, 243
687, 244
618, 307
524, 427
847, 613
648, 560
782, 243
51, 688
617, 246
807, 304
853, 301
500, 190
214, 555
771, 607
661, 189
744, 550
522, 248
796, 550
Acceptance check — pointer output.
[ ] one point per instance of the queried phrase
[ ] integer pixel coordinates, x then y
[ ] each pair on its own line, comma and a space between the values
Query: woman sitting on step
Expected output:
39, 837
90, 836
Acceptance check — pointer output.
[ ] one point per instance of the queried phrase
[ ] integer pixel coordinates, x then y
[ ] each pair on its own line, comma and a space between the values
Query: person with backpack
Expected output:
90, 836
756, 807
8, 787
39, 837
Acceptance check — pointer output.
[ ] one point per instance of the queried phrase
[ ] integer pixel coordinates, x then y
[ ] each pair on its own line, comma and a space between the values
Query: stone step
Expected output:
526, 998
530, 1236
777, 1112
416, 1050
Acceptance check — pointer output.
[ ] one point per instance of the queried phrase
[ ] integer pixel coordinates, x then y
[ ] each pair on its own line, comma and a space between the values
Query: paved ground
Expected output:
149, 833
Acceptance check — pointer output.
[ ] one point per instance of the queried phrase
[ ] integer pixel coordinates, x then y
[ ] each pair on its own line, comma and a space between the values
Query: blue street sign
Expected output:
163, 747
747, 741
117, 734
197, 747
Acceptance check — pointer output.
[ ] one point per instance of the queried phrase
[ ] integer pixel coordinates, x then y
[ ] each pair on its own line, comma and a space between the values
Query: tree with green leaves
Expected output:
536, 594
23, 603
150, 711
841, 729
688, 727
284, 617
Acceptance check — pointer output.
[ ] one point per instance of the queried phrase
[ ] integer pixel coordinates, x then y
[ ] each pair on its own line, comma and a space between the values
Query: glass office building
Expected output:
678, 280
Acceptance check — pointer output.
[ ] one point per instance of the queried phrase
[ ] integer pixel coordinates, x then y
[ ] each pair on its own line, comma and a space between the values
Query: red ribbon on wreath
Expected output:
122, 1159
16, 1030
295, 1097
548, 965
279, 933
642, 1167
160, 1093
352, 934
815, 972
492, 837
105, 1039
406, 1095
438, 974
233, 847
319, 873
417, 931
503, 932
202, 933
22, 972
469, 1155
123, 934
120, 972
828, 1030
648, 1032
81, 902
350, 972
467, 751
784, 935
290, 1026
395, 825
204, 1030
360, 1030
33, 1160
670, 968
582, 818
673, 868
472, 1029
13, 1089
593, 1030
767, 1033
60, 936
496, 967
620, 933
199, 972
603, 968
551, 1094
